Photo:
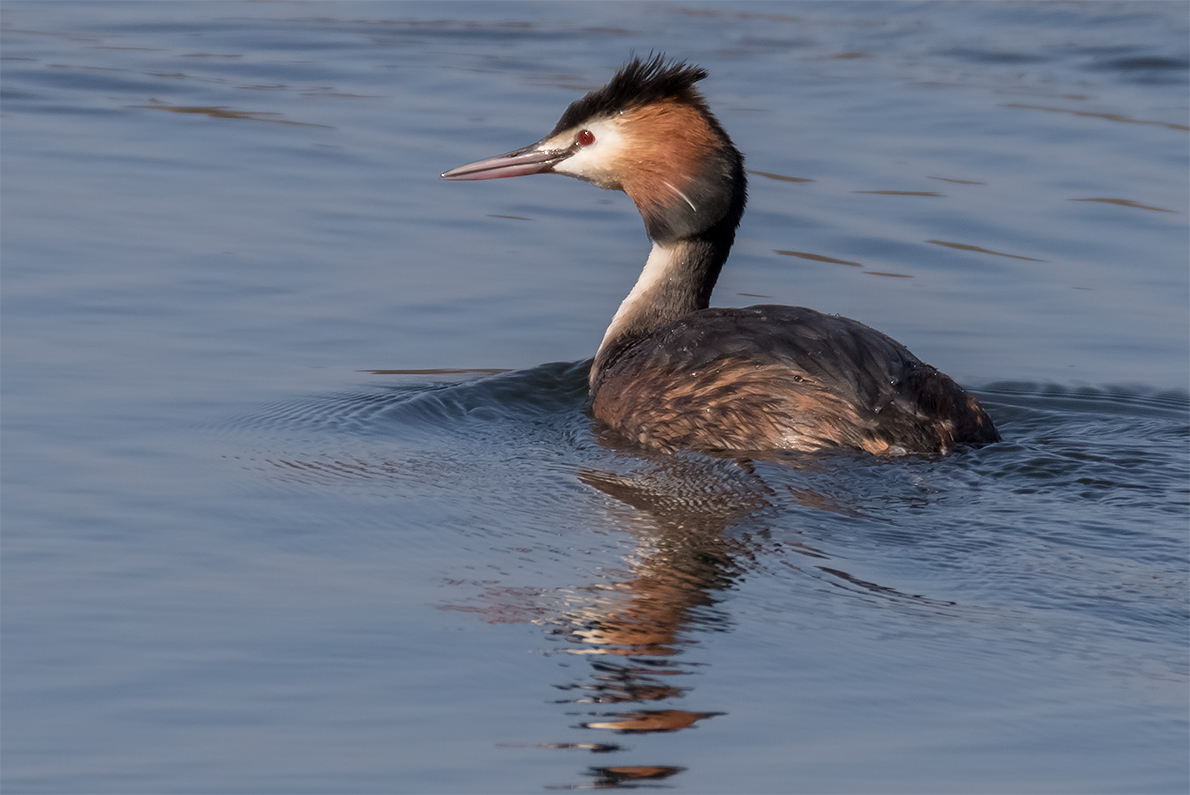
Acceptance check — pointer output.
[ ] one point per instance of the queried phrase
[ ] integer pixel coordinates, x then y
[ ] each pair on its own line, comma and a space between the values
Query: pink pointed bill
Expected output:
529, 160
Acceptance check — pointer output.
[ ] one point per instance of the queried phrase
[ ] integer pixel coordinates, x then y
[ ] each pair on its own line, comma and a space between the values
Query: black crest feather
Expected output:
636, 83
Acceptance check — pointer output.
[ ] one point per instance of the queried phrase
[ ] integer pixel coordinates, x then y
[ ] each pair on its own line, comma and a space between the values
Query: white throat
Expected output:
657, 269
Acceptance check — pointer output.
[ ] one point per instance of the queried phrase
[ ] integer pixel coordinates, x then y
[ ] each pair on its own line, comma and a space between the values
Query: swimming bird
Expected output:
672, 373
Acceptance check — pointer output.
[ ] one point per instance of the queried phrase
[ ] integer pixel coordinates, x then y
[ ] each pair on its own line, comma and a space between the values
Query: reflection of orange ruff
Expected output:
637, 772
624, 639
668, 720
649, 623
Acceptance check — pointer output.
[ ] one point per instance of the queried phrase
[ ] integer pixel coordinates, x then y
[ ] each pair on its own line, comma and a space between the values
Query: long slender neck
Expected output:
677, 279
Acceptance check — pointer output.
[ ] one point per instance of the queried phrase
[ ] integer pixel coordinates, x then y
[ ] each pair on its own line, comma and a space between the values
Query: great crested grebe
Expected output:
672, 374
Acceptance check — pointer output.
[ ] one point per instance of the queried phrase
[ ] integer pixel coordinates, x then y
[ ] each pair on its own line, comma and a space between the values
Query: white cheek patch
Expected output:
600, 162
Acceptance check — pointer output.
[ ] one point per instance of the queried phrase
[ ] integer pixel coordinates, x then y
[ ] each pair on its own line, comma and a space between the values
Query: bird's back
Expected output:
782, 377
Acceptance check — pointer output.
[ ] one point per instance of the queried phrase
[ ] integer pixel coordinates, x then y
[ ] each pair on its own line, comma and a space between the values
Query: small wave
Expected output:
1134, 399
418, 406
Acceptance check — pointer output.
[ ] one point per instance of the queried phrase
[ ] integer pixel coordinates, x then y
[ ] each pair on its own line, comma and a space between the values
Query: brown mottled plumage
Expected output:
672, 374
754, 379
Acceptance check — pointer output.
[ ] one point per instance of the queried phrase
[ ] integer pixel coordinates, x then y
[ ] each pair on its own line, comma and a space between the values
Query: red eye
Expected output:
586, 138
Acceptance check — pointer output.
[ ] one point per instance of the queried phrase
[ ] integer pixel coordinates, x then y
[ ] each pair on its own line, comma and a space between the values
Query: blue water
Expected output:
300, 493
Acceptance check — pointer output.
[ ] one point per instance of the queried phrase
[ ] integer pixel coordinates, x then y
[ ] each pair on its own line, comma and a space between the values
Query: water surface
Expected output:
300, 489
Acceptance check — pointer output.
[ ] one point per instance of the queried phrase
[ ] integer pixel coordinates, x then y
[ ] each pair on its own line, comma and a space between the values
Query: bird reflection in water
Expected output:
643, 621
698, 524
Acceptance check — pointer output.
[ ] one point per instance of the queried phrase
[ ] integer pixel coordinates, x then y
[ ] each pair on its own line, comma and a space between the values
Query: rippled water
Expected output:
265, 529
